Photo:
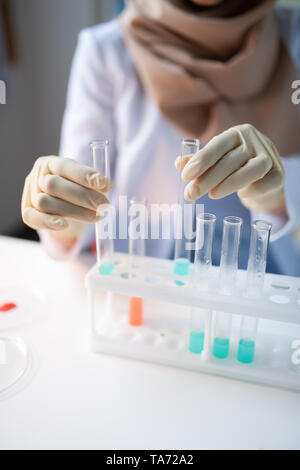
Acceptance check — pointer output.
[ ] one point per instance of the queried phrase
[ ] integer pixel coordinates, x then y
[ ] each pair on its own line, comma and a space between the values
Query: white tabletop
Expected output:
80, 400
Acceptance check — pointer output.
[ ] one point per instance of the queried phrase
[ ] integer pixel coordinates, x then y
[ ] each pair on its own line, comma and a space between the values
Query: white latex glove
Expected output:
63, 196
241, 160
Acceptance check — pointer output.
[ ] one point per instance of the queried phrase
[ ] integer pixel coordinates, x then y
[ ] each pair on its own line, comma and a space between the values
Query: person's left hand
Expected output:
241, 160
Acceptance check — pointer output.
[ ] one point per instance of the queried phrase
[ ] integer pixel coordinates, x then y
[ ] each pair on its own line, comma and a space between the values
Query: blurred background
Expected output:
37, 42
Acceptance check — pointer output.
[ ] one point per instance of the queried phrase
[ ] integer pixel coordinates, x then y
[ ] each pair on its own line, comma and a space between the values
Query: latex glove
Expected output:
241, 160
63, 196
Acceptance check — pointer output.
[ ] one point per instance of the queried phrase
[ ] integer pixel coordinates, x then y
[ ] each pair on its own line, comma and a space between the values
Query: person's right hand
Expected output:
62, 196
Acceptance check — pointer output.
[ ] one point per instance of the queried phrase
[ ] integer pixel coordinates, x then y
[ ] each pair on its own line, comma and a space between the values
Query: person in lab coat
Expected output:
221, 71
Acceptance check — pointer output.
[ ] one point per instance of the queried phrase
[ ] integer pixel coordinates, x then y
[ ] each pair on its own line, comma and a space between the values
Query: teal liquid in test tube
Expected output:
259, 242
104, 241
200, 317
227, 281
182, 253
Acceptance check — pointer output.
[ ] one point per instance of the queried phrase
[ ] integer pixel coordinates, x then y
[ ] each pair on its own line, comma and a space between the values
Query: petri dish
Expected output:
14, 362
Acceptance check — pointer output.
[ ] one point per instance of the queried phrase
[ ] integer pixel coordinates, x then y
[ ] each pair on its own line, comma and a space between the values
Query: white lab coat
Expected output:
106, 100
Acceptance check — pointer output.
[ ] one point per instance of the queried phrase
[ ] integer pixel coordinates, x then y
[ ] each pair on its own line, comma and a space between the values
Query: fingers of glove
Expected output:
39, 221
26, 195
216, 148
253, 170
180, 162
80, 174
273, 180
71, 192
231, 162
35, 219
52, 205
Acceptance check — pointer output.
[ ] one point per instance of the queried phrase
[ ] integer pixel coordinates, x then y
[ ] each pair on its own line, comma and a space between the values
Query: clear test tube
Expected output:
229, 253
201, 317
205, 230
105, 246
182, 255
137, 232
227, 283
259, 242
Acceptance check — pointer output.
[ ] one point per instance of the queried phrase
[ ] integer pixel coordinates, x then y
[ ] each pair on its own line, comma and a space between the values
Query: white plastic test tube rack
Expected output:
164, 336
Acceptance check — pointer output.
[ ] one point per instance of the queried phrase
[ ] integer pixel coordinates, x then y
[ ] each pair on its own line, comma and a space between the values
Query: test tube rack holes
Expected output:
163, 337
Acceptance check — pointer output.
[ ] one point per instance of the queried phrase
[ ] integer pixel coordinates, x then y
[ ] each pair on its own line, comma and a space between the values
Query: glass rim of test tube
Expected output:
190, 141
262, 225
233, 220
101, 143
206, 217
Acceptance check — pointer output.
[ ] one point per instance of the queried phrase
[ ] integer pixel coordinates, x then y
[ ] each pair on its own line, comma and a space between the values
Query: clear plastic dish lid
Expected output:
14, 362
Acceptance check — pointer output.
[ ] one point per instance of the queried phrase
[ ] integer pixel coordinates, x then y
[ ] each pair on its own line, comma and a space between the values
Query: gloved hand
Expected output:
241, 160
63, 196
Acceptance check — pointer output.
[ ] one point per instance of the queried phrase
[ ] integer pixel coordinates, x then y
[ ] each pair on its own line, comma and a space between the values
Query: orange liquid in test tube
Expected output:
135, 311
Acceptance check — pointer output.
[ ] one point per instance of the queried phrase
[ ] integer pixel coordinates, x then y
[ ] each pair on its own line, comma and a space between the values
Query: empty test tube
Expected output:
100, 159
259, 242
182, 254
200, 317
137, 252
227, 280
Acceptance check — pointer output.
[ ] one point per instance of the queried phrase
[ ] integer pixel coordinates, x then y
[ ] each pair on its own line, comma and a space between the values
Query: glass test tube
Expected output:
137, 252
227, 280
100, 158
200, 317
182, 254
259, 242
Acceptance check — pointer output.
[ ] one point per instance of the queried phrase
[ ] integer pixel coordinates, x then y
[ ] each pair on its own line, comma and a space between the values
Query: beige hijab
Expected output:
210, 68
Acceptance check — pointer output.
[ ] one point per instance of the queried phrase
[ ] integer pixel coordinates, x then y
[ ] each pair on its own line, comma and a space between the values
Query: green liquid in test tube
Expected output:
246, 351
105, 258
106, 269
182, 254
182, 267
221, 347
196, 344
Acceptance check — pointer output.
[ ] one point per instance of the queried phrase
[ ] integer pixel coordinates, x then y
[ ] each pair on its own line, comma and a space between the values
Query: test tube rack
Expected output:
163, 338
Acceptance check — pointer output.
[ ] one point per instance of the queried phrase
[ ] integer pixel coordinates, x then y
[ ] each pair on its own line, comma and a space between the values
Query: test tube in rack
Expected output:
259, 242
104, 242
200, 317
182, 254
137, 250
227, 282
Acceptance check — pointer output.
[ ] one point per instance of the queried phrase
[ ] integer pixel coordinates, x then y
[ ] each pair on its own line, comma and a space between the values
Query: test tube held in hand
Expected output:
182, 254
259, 242
227, 282
104, 242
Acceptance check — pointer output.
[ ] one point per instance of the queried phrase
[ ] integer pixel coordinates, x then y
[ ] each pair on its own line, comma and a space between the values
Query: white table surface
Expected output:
80, 400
